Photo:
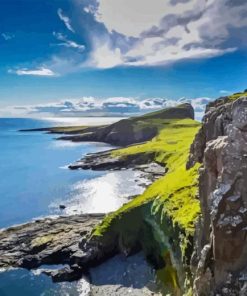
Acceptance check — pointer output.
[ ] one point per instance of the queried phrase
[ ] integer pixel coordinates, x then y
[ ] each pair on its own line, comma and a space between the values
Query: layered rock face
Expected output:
220, 258
48, 241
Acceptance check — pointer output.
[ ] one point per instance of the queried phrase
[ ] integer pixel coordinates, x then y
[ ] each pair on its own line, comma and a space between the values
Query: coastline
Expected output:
58, 239
130, 229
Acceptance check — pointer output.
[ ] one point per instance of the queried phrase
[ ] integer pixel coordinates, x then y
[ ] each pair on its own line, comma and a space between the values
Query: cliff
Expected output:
220, 256
126, 131
133, 130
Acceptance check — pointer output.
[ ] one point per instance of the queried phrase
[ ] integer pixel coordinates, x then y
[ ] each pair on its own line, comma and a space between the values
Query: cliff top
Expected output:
227, 99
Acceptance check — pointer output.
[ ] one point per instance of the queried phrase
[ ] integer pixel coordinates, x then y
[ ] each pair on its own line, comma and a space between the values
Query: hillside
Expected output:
126, 131
162, 220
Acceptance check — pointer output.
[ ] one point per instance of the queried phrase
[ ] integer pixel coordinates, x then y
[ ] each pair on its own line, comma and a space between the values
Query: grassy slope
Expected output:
176, 191
228, 99
149, 120
237, 95
67, 129
169, 206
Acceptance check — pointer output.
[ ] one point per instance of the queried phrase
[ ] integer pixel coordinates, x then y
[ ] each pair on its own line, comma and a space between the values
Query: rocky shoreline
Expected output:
70, 241
65, 240
106, 161
59, 241
47, 241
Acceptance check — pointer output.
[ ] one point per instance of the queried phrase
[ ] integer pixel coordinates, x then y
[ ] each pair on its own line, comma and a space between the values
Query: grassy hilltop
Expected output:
176, 190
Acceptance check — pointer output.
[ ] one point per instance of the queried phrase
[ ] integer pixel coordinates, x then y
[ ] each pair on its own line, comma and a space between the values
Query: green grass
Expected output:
66, 129
73, 129
237, 96
169, 206
175, 193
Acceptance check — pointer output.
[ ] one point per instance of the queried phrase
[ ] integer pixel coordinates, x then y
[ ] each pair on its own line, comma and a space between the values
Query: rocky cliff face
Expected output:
220, 258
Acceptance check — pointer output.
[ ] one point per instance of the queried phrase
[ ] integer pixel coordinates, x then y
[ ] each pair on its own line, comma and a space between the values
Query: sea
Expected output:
35, 181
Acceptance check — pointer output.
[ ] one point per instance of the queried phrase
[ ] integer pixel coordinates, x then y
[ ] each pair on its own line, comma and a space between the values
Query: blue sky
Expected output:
119, 52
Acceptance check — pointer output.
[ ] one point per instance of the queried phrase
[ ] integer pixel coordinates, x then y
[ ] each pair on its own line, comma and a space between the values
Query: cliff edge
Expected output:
220, 256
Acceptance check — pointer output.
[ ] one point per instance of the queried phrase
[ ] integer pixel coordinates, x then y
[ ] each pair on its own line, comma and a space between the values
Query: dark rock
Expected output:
67, 274
106, 161
45, 241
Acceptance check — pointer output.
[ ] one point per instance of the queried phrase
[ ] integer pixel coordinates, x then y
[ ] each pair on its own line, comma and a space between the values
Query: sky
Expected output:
118, 57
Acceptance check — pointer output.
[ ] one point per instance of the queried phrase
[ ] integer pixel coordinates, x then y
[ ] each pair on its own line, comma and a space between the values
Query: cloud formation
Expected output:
115, 106
225, 92
65, 19
33, 72
68, 43
140, 33
7, 36
143, 33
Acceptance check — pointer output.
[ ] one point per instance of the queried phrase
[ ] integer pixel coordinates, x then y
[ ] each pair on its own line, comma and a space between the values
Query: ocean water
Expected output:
34, 181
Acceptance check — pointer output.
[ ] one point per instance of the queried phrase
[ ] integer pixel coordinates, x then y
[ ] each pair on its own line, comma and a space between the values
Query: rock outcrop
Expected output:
220, 257
49, 241
105, 160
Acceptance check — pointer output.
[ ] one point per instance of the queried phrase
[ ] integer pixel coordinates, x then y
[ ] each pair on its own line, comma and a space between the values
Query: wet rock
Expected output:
45, 241
67, 274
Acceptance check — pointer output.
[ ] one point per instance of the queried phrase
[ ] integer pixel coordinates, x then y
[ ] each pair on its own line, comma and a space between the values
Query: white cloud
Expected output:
156, 103
132, 17
68, 43
103, 56
7, 36
225, 92
141, 33
199, 105
114, 106
90, 9
33, 72
174, 53
65, 19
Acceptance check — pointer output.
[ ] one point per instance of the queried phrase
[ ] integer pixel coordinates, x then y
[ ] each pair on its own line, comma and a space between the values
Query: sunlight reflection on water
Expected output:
102, 194
65, 121
65, 144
